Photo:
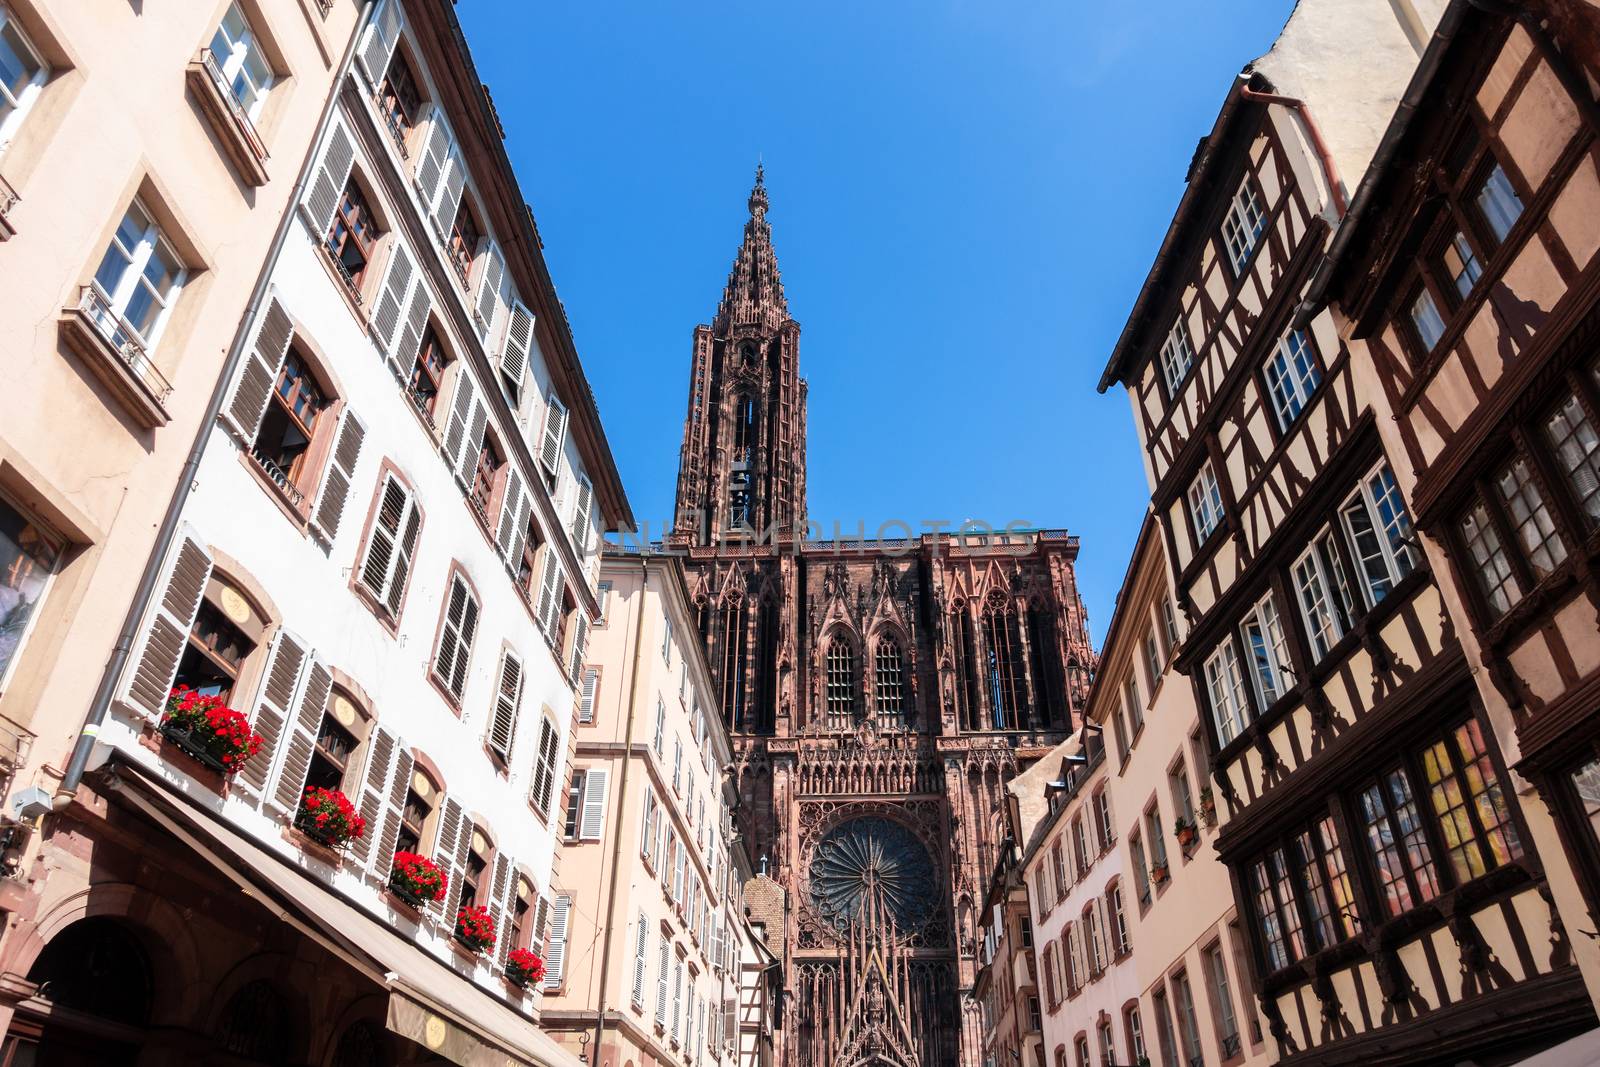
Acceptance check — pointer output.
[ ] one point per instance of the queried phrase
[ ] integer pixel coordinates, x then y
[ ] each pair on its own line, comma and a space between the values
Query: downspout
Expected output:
101, 704
1573, 82
622, 801
1329, 171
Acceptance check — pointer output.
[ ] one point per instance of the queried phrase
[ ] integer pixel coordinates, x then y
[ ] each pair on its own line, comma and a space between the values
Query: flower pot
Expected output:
1186, 836
182, 735
401, 890
472, 945
306, 823
1158, 875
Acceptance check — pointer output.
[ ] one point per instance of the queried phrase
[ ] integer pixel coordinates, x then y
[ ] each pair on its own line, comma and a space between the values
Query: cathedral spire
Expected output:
754, 293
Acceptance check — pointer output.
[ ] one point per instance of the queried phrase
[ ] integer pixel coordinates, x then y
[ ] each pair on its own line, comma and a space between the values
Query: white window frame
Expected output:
1391, 535
237, 61
137, 258
1292, 376
1242, 229
1177, 357
57, 545
1314, 593
1264, 625
21, 102
1230, 713
1205, 504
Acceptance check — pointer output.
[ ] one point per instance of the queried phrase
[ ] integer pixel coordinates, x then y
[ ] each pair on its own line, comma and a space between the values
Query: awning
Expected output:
1581, 1051
429, 1003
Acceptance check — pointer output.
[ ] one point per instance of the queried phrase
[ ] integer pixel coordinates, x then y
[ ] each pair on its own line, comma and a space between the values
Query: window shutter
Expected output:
467, 465
594, 804
461, 409
278, 686
591, 684
302, 738
580, 514
503, 726
450, 850
340, 475
396, 512
500, 905
487, 305
555, 430
661, 981
373, 796
641, 947
518, 347
404, 352
332, 173
378, 47
648, 833
435, 157
506, 533
580, 641
677, 872
455, 179
397, 286
456, 636
549, 593
243, 412
393, 807
402, 564
167, 623
555, 954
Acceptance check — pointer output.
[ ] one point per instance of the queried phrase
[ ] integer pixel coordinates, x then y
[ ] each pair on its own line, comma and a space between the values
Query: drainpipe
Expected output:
1573, 82
1329, 171
622, 801
101, 704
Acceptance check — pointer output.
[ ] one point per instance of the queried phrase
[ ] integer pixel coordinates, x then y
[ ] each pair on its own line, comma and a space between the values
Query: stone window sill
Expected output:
238, 135
125, 368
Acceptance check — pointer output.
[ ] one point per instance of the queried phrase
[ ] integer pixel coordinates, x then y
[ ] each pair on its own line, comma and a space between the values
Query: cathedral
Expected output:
879, 692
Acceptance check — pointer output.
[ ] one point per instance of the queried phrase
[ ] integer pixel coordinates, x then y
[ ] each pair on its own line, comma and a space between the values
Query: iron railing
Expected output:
124, 340
15, 741
395, 132
1231, 1046
241, 118
8, 197
278, 476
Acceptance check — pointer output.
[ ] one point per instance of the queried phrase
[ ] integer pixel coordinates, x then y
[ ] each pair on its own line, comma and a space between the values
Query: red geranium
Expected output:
328, 816
215, 728
475, 928
524, 966
418, 876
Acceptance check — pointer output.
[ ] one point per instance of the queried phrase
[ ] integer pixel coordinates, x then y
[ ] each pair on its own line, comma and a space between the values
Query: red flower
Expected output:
418, 875
222, 732
475, 926
524, 966
331, 814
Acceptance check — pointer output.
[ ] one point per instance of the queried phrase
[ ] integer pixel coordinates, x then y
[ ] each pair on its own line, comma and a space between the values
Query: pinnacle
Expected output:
754, 293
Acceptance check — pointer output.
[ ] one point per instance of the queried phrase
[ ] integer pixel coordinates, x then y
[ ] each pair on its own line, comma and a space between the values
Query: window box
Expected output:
403, 903
475, 930
416, 879
1186, 832
232, 126
97, 336
178, 757
8, 201
306, 842
1158, 874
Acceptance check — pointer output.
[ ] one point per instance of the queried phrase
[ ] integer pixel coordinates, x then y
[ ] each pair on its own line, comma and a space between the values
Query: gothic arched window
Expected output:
743, 461
841, 684
767, 630
1002, 669
889, 690
733, 662
1044, 651
966, 667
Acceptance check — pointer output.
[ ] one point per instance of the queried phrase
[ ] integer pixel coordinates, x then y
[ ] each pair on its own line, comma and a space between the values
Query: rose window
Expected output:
872, 858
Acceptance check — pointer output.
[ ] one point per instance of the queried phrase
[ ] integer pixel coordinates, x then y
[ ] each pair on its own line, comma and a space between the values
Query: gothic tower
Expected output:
879, 693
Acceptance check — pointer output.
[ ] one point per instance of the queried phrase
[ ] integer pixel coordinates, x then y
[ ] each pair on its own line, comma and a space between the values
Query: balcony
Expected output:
114, 353
278, 477
8, 201
228, 120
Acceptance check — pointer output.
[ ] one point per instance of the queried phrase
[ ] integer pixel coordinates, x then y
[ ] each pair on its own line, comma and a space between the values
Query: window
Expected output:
1572, 438
1464, 791
391, 544
399, 101
352, 235
473, 871
1282, 934
1461, 264
465, 237
1490, 567
1135, 1028
1529, 519
841, 685
1292, 376
427, 374
216, 649
666, 641
457, 630
1225, 686
1305, 875
1379, 532
1205, 504
1051, 994
1498, 202
1035, 1017
574, 816
29, 555
1188, 1024
1323, 626
1177, 356
294, 415
1222, 996
334, 746
1107, 829
1152, 659
1398, 843
1169, 1043
1132, 704
1243, 225
244, 68
1121, 942
889, 688
1169, 622
420, 797
1058, 866
1266, 651
1141, 873
1178, 782
1426, 320
22, 75
137, 281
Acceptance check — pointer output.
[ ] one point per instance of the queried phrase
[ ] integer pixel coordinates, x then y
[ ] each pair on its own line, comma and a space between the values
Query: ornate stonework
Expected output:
879, 692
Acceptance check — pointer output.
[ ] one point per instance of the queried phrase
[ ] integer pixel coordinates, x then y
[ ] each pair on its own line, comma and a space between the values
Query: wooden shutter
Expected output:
555, 957
340, 475
393, 299
455, 179
506, 533
404, 352
594, 804
661, 981
461, 408
581, 514
242, 414
500, 904
518, 347
647, 831
586, 698
402, 562
302, 738
678, 858
450, 852
386, 837
396, 508
279, 684
435, 157
378, 46
508, 696
580, 642
467, 465
455, 637
641, 948
332, 173
555, 432
373, 796
167, 623
487, 305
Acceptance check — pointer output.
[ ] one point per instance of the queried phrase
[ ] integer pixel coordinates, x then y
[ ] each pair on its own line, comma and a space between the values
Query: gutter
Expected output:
101, 703
1314, 132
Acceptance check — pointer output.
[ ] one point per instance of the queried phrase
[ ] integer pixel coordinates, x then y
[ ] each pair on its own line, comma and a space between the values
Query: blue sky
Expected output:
966, 196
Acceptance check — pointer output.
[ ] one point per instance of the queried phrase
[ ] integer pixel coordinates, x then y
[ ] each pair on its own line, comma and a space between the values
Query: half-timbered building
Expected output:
1395, 905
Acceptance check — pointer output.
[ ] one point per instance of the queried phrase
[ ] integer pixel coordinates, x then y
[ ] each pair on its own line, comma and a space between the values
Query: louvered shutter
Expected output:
641, 948
486, 307
508, 695
402, 563
167, 623
383, 540
332, 173
242, 414
279, 684
662, 978
467, 465
680, 855
373, 797
404, 353
591, 686
500, 905
302, 738
555, 432
549, 593
455, 179
387, 837
647, 833
506, 533
394, 298
580, 642
518, 347
580, 514
461, 409
378, 46
555, 958
594, 804
435, 157
455, 838
340, 475
455, 637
